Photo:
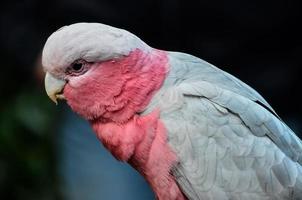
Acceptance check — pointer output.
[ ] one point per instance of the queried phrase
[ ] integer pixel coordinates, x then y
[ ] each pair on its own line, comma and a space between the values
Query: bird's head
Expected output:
102, 71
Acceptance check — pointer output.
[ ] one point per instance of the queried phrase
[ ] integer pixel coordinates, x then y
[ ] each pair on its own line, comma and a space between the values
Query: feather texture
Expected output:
216, 135
228, 145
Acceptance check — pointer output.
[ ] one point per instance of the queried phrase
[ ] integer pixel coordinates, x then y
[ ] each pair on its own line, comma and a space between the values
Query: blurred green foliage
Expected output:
27, 157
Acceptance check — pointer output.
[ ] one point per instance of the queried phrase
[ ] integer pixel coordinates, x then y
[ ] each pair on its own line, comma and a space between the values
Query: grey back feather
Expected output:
228, 145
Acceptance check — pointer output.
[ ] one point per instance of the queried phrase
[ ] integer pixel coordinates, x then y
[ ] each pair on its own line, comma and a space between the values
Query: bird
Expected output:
192, 130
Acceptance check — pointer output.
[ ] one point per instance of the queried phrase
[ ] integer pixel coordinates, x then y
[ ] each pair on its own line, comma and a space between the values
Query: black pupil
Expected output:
77, 66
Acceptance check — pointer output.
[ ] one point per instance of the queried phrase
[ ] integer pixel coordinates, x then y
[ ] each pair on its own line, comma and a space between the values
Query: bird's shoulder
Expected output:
203, 80
188, 68
223, 137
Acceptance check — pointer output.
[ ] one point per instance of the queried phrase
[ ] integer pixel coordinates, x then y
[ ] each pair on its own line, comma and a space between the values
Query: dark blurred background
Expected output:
46, 152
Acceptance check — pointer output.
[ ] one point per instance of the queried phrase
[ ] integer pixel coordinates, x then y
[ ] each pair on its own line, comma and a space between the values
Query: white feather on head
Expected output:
92, 42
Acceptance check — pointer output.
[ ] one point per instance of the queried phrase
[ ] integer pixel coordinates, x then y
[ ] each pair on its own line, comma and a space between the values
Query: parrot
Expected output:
192, 130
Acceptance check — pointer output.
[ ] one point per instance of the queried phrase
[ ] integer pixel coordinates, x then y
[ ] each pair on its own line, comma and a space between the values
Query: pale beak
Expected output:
54, 87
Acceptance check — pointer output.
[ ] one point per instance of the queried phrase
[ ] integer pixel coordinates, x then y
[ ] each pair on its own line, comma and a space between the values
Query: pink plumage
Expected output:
116, 89
110, 96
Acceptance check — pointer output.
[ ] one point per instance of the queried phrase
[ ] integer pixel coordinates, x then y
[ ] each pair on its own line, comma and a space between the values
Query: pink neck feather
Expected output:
111, 98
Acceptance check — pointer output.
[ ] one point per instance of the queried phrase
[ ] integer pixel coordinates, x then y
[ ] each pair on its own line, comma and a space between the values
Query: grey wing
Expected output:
190, 69
229, 146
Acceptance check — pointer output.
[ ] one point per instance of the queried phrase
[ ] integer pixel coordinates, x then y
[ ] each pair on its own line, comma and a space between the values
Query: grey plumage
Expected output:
230, 143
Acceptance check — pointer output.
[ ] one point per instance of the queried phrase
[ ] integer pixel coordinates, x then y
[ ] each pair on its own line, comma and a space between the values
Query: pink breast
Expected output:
142, 142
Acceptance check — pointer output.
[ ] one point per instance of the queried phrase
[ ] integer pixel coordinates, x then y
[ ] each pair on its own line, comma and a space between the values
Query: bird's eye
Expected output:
77, 66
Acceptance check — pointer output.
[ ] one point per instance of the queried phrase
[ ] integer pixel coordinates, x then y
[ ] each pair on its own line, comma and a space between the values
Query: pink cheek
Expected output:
117, 89
70, 94
89, 93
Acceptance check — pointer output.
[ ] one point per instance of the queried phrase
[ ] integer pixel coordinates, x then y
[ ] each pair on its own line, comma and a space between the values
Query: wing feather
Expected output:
228, 145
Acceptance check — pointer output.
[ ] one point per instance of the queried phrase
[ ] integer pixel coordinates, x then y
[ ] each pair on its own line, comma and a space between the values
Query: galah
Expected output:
192, 130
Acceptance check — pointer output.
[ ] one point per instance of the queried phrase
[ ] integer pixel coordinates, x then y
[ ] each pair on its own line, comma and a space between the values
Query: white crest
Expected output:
89, 41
